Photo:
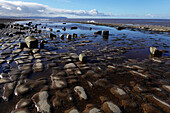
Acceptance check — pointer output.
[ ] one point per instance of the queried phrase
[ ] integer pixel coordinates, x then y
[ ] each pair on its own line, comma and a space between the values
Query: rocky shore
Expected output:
131, 27
42, 70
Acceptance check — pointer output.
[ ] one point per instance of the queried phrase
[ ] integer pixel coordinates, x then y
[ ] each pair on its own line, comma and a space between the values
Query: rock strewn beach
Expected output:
78, 74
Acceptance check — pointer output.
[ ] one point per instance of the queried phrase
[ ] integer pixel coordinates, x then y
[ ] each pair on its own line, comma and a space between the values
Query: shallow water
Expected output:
139, 40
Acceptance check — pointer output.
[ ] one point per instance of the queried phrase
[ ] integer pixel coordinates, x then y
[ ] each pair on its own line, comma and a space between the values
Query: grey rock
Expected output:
40, 100
81, 92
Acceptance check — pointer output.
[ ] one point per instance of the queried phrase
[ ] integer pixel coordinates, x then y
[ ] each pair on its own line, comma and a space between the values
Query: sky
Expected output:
87, 8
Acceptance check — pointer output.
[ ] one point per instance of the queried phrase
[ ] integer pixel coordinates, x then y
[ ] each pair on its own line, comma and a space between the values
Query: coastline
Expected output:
132, 27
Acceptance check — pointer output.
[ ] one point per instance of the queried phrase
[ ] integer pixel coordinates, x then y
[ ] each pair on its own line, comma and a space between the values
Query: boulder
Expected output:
81, 92
71, 28
155, 51
83, 57
62, 36
8, 90
22, 45
40, 100
31, 42
52, 35
68, 36
105, 32
74, 35
109, 107
98, 32
58, 31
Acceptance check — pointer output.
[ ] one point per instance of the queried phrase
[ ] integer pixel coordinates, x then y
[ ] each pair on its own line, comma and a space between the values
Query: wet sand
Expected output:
118, 75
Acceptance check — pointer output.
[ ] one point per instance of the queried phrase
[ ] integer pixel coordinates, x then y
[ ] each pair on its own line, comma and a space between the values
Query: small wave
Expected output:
91, 21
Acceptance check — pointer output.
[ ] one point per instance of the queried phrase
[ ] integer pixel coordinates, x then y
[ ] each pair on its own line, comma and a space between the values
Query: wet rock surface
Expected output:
85, 74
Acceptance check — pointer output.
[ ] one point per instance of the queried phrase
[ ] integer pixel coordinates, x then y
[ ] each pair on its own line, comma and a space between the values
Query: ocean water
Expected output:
157, 22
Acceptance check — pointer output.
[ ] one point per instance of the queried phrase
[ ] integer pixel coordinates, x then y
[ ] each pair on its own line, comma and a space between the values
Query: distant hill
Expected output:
34, 17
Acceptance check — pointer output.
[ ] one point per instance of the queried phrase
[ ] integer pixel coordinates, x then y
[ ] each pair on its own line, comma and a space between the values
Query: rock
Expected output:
52, 36
4, 80
63, 28
118, 92
69, 66
21, 89
103, 83
98, 32
58, 82
105, 32
149, 108
80, 91
40, 100
162, 104
68, 37
74, 55
71, 28
72, 110
8, 90
82, 57
23, 110
62, 36
139, 74
155, 51
50, 29
2, 26
91, 109
90, 28
74, 35
22, 45
120, 28
31, 42
166, 87
23, 103
103, 99
38, 67
109, 107
58, 31
129, 104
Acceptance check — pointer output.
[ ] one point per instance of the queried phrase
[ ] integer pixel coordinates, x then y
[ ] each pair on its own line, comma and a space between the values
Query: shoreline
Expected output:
132, 27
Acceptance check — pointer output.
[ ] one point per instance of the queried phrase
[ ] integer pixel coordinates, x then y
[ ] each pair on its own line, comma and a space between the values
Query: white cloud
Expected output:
19, 8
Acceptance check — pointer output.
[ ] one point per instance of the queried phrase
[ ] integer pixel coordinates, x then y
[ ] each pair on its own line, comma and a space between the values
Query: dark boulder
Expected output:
31, 42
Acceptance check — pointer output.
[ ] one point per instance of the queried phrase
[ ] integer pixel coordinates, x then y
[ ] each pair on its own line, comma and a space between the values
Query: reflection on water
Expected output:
138, 41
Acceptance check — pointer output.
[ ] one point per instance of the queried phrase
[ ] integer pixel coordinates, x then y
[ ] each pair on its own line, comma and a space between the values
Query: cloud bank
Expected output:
18, 8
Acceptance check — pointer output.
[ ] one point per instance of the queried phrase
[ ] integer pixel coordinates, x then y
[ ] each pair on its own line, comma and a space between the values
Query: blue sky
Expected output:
87, 8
